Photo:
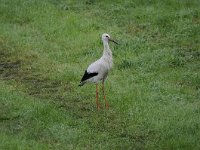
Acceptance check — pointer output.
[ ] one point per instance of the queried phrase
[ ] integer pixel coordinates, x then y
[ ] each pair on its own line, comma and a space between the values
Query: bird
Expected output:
98, 70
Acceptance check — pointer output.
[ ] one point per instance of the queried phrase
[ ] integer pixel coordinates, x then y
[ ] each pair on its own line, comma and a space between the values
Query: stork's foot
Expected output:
107, 106
98, 106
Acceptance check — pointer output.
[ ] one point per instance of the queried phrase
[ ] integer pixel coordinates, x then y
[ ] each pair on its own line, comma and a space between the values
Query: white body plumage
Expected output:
102, 67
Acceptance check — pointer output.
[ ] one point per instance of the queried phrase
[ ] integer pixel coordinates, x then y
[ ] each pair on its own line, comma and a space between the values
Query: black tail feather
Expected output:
88, 76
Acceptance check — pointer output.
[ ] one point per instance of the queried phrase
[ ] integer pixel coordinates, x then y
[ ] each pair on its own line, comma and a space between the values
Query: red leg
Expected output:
97, 97
104, 96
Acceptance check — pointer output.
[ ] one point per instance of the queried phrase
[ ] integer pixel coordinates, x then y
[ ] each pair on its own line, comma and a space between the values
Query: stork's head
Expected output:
106, 38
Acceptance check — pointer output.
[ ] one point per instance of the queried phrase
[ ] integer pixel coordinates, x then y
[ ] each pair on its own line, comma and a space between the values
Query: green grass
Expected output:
153, 89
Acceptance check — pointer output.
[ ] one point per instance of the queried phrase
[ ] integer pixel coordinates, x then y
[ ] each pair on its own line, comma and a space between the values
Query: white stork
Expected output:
98, 70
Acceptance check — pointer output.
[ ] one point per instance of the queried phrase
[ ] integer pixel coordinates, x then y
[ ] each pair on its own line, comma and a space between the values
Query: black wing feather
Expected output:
88, 75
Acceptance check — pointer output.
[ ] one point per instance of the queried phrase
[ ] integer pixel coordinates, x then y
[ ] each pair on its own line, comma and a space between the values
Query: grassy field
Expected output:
153, 89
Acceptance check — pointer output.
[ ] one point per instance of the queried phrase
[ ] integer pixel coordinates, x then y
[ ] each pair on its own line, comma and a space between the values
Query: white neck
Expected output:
106, 51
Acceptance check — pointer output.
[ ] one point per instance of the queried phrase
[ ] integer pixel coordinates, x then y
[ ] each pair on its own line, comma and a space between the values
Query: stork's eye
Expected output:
107, 36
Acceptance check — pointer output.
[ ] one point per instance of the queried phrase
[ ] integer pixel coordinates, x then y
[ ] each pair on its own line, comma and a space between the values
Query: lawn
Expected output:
153, 88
